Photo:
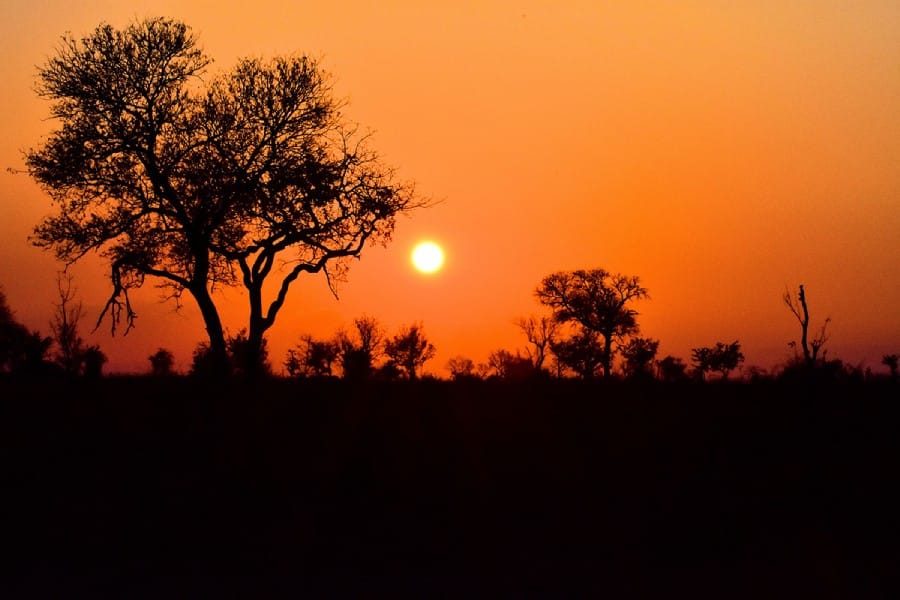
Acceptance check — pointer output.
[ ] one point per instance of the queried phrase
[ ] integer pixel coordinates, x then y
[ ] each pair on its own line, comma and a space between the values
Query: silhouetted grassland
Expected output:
162, 486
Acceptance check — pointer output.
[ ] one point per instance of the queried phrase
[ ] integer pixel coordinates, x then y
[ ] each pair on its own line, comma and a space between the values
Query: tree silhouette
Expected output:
582, 353
800, 310
64, 328
541, 333
202, 363
596, 300
890, 361
461, 368
161, 363
21, 350
509, 366
409, 350
639, 354
205, 364
671, 369
92, 361
360, 349
722, 358
312, 357
257, 174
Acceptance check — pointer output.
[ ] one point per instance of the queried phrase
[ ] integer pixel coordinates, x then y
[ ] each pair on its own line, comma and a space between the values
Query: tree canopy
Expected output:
596, 300
721, 358
409, 350
197, 186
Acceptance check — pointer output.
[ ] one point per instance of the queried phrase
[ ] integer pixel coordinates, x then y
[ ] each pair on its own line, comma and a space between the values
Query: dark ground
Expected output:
148, 488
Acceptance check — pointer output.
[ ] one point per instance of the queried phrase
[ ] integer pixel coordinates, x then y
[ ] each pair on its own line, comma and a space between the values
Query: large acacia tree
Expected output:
250, 178
597, 301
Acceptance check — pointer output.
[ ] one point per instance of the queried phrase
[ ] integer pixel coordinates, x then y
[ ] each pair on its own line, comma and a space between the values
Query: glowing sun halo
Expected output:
427, 257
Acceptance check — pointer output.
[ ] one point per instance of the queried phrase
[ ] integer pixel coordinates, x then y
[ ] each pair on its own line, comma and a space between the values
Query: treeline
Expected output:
591, 332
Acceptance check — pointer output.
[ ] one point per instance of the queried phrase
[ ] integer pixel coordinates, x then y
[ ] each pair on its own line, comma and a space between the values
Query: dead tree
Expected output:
64, 327
800, 310
541, 333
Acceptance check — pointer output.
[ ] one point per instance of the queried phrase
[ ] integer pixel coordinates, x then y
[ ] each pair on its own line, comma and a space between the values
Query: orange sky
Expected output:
719, 150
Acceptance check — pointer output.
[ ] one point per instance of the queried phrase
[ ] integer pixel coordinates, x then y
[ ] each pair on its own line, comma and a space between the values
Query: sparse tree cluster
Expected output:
25, 351
72, 354
364, 352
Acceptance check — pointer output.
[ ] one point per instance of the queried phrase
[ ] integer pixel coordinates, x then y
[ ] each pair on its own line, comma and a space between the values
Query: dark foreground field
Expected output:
140, 488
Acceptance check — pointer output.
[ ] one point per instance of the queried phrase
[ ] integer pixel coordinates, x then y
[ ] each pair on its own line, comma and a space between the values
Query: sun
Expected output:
427, 257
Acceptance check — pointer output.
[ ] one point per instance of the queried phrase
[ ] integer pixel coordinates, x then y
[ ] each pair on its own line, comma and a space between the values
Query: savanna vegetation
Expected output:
529, 474
580, 463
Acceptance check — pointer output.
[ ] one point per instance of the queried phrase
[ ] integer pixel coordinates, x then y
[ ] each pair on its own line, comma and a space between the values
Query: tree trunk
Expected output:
218, 354
607, 356
804, 324
254, 368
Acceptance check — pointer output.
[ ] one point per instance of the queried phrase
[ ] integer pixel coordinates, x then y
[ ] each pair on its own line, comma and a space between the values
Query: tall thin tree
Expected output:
800, 310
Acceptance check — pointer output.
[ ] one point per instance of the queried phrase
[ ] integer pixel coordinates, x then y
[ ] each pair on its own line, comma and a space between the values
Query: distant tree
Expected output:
71, 354
64, 328
671, 369
162, 363
541, 333
701, 358
512, 367
461, 368
484, 370
800, 310
294, 363
93, 359
596, 300
361, 348
202, 188
755, 374
581, 353
727, 357
409, 350
638, 355
21, 350
890, 361
722, 359
322, 356
312, 357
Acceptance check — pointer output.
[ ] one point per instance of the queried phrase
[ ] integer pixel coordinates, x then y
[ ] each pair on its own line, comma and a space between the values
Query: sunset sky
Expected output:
721, 151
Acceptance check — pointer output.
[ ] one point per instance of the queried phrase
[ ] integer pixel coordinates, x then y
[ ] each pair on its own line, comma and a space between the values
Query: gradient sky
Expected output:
719, 150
